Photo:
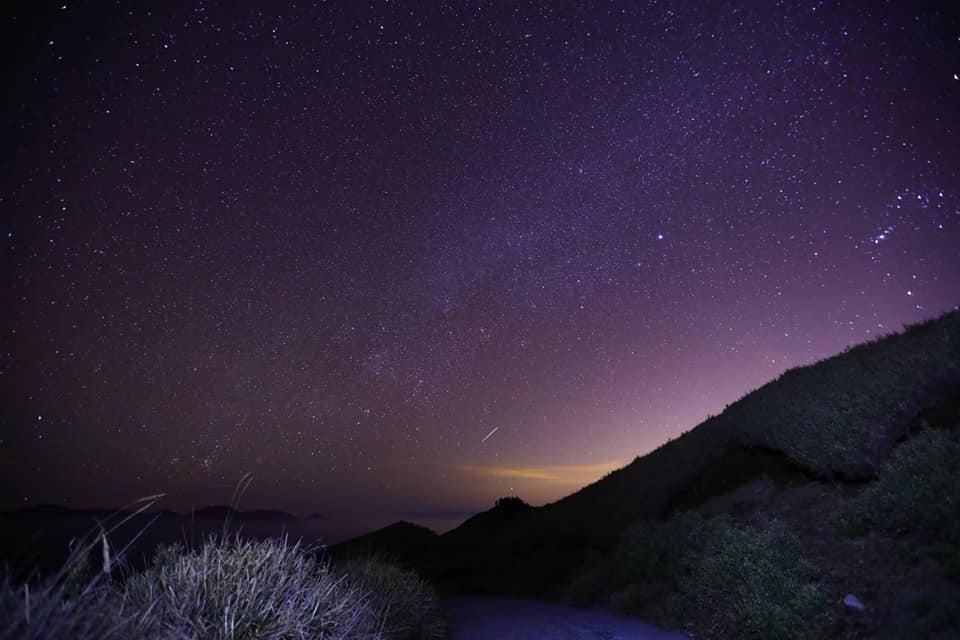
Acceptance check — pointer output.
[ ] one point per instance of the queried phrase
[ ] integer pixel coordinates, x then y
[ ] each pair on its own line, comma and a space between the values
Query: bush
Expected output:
761, 576
658, 558
406, 604
917, 492
719, 577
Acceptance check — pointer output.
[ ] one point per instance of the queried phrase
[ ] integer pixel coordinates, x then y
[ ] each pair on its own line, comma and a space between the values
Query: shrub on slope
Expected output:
721, 578
405, 604
917, 493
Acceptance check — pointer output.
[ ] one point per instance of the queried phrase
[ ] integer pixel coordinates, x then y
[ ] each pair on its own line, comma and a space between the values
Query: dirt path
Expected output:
489, 618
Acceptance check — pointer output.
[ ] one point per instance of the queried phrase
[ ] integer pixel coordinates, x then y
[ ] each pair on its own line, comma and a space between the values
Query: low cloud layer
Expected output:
574, 474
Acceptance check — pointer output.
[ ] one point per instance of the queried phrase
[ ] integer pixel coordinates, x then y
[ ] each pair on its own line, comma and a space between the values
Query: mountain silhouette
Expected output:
837, 420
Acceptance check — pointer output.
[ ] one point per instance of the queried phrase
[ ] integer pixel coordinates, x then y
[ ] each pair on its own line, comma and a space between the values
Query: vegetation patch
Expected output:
405, 603
916, 496
720, 578
226, 590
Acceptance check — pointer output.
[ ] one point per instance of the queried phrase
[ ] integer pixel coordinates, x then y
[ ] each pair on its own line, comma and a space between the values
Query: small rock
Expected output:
853, 602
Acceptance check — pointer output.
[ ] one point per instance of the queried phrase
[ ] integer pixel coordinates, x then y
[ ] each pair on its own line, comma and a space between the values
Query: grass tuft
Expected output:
228, 589
245, 590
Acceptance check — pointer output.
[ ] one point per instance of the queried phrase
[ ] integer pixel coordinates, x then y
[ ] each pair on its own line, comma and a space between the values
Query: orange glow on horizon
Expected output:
574, 475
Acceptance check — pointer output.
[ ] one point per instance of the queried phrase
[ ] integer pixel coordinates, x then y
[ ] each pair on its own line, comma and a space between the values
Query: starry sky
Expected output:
398, 259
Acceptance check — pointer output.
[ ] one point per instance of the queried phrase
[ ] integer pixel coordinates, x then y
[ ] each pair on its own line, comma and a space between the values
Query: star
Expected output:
322, 245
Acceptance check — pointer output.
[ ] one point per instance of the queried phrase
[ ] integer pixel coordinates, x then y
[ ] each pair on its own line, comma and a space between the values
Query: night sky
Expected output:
398, 260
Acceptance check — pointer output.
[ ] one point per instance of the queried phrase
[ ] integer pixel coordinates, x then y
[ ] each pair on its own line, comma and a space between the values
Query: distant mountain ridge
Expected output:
222, 511
212, 511
42, 533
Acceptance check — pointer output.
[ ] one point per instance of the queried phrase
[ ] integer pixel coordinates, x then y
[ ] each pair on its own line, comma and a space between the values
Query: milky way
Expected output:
337, 246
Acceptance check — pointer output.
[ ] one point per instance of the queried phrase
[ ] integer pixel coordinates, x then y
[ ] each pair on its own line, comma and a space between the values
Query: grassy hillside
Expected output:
778, 561
787, 453
837, 418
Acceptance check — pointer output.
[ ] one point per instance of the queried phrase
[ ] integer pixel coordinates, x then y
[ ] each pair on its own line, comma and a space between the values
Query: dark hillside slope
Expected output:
841, 417
487, 525
399, 542
838, 418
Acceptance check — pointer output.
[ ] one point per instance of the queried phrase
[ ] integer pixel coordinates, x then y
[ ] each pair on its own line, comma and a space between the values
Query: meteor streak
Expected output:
489, 434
